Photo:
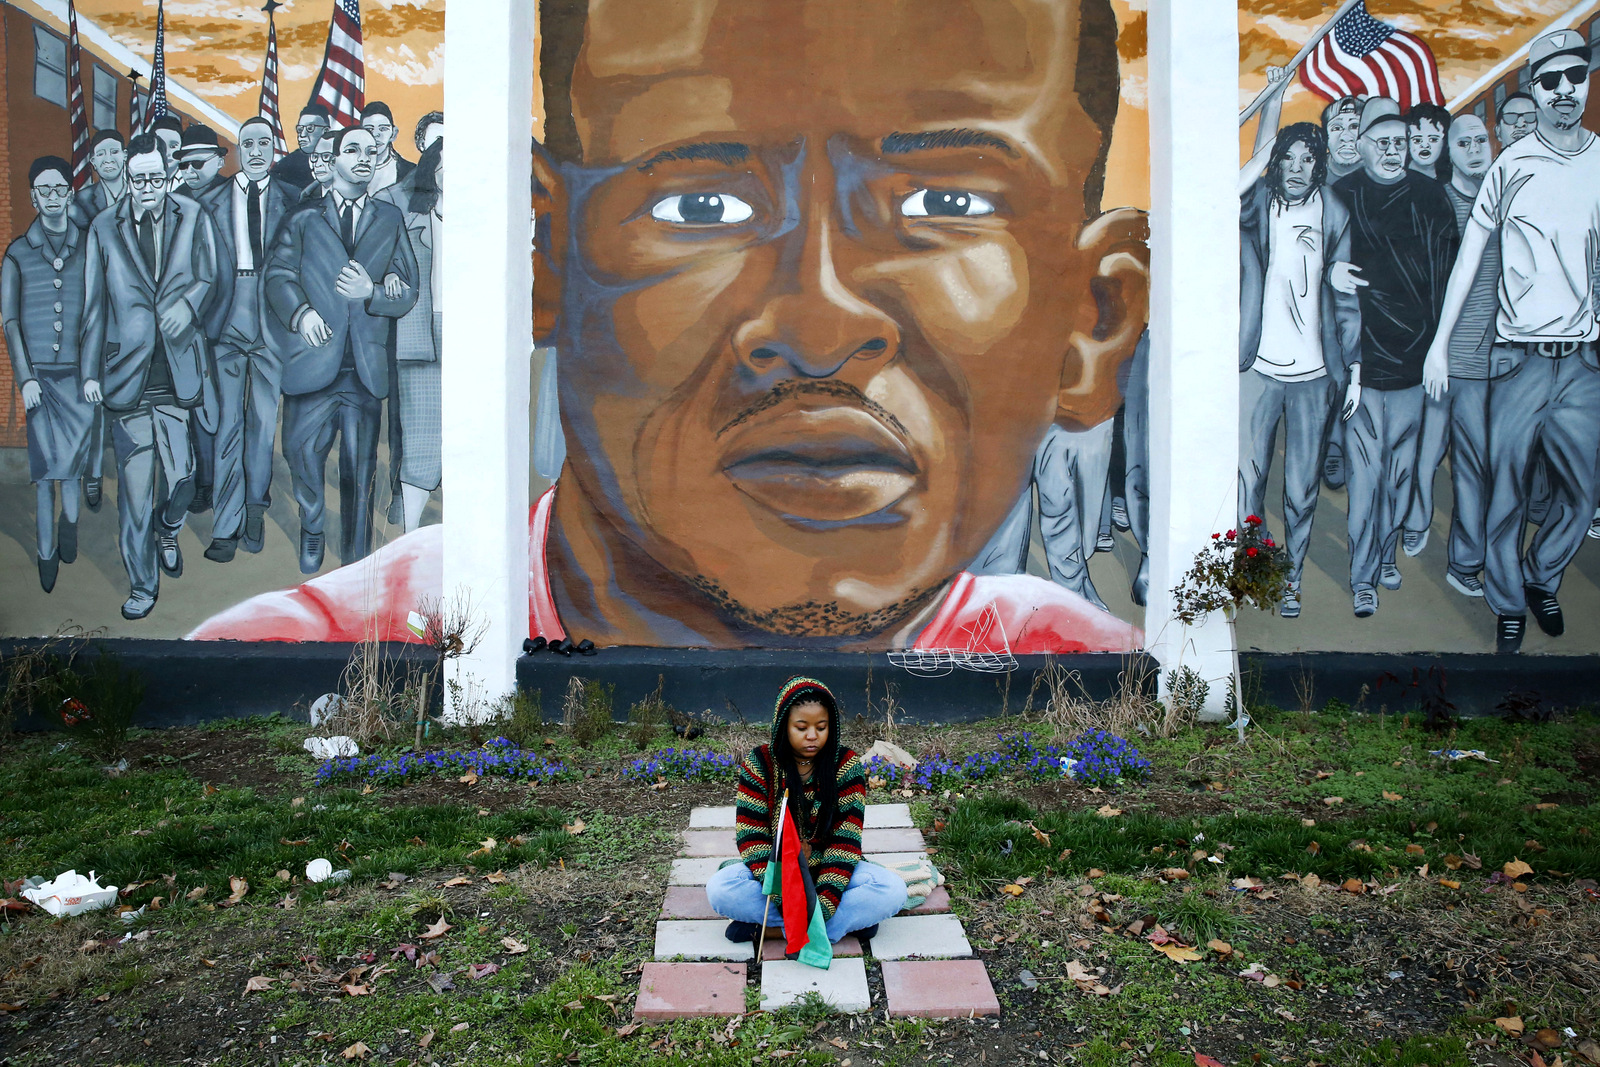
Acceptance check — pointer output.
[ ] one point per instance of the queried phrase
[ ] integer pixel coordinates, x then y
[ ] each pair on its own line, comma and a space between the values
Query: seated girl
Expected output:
827, 789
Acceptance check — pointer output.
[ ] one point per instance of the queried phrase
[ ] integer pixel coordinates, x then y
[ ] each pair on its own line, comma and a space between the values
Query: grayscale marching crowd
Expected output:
178, 315
1406, 294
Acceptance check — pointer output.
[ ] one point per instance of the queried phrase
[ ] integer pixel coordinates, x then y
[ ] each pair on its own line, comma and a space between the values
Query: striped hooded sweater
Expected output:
835, 850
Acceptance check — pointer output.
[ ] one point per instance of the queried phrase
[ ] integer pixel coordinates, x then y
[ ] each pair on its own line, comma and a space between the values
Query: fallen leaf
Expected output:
458, 1027
1391, 796
1314, 848
284, 876
1178, 953
1039, 835
1095, 872
1310, 881
1175, 874
513, 946
485, 847
482, 970
294, 844
1221, 948
240, 888
497, 878
1414, 849
357, 1051
1331, 801
624, 1031
1014, 890
439, 981
1511, 1024
1471, 861
196, 893
438, 929
456, 881
470, 778
1546, 807
1548, 1038
259, 984
425, 1040
1106, 811
1354, 885
1308, 822
1453, 862
1589, 1050
1202, 1060
1448, 884
576, 827
356, 990
1516, 869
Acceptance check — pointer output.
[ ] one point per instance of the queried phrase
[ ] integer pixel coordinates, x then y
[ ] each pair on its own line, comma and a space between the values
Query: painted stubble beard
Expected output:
676, 451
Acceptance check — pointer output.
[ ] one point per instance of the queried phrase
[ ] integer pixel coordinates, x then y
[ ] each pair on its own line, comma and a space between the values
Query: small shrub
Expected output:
1244, 567
1104, 759
683, 765
96, 702
647, 716
519, 716
586, 710
1186, 695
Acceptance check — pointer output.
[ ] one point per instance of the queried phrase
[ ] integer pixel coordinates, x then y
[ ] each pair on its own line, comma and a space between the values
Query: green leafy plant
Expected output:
95, 702
586, 710
1244, 566
519, 716
647, 716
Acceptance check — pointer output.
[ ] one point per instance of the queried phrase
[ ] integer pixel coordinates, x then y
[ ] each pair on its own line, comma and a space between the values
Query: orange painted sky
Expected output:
1467, 37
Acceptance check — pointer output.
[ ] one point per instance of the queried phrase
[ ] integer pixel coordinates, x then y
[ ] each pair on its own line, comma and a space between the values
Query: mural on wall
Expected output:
199, 304
1420, 230
835, 294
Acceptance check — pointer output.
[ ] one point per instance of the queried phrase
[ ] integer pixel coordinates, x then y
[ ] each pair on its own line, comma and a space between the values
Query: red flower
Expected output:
1232, 534
1253, 520
1216, 537
1250, 552
1268, 542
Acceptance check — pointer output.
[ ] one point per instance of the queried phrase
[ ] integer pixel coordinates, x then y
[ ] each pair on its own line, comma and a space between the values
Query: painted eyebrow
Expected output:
899, 144
726, 152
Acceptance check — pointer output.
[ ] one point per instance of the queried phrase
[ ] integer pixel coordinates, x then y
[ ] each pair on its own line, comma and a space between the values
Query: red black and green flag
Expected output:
789, 878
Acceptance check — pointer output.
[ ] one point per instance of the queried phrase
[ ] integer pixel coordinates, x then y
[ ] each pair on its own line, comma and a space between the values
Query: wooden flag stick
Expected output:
1294, 64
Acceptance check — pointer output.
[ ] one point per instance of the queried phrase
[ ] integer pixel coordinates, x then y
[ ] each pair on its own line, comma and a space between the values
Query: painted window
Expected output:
49, 66
105, 99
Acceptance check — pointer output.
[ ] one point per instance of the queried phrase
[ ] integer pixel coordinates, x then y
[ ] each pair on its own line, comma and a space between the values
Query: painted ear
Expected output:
1110, 323
549, 235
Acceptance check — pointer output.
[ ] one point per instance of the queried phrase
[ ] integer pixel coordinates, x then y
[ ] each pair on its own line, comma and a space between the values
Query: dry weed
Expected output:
1071, 710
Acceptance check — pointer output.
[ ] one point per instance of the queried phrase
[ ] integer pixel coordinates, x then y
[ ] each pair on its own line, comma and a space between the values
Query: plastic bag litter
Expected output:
1069, 767
1462, 753
332, 747
324, 708
320, 870
70, 893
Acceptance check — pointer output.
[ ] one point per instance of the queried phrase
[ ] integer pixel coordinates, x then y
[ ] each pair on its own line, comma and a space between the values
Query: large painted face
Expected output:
1298, 167
1383, 152
1516, 119
1426, 140
829, 285
108, 159
1560, 89
147, 178
51, 194
257, 150
1469, 145
1343, 130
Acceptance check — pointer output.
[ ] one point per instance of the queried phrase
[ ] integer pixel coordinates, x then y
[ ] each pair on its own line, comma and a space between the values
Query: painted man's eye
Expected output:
702, 209
945, 203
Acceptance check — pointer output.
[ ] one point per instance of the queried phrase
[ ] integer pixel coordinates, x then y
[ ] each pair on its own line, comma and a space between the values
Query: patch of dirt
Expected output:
233, 758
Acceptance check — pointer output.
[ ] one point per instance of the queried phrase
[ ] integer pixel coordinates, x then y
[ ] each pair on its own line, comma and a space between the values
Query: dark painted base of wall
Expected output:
192, 682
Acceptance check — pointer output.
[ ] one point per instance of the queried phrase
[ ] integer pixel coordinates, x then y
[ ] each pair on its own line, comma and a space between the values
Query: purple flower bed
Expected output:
1103, 759
683, 764
498, 758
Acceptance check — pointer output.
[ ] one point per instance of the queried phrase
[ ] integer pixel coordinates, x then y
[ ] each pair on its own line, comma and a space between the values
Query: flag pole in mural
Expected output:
1366, 57
341, 83
156, 106
75, 109
135, 112
269, 80
805, 933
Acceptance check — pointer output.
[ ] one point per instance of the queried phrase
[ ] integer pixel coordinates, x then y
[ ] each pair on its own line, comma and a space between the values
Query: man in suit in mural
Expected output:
378, 120
41, 308
1542, 194
150, 264
1402, 239
321, 170
333, 320
200, 158
108, 156
803, 371
168, 129
248, 210
1298, 334
295, 168
1457, 422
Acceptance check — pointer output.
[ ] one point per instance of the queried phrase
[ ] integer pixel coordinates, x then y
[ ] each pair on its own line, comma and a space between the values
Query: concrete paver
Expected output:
924, 936
772, 948
689, 991
708, 843
711, 818
696, 871
843, 985
892, 839
686, 902
699, 939
880, 816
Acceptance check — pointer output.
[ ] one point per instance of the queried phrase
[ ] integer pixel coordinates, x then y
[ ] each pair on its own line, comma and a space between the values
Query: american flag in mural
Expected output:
75, 107
341, 84
1366, 57
156, 106
269, 80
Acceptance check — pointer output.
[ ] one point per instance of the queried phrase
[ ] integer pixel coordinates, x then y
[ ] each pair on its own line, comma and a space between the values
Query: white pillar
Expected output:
488, 329
1194, 321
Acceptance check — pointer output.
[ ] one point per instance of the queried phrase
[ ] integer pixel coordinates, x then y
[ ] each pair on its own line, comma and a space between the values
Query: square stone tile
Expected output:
927, 936
708, 843
885, 815
694, 871
711, 818
689, 991
687, 902
889, 859
936, 903
699, 939
939, 989
773, 948
843, 985
892, 839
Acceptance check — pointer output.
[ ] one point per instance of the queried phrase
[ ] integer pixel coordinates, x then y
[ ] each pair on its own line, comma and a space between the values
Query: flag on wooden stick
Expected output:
1364, 56
788, 875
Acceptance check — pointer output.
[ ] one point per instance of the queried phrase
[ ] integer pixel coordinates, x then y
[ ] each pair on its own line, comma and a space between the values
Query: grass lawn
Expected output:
495, 919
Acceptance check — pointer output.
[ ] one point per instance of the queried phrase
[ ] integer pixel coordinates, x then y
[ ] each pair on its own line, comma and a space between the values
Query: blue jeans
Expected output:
874, 894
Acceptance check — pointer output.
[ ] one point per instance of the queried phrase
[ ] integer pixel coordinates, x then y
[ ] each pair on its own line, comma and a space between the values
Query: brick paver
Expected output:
686, 902
689, 991
939, 989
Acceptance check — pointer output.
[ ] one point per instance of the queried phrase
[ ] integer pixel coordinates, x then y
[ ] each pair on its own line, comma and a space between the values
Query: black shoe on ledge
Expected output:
738, 931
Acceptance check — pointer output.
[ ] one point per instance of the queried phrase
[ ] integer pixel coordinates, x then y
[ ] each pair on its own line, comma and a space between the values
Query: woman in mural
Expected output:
419, 337
41, 303
826, 789
812, 326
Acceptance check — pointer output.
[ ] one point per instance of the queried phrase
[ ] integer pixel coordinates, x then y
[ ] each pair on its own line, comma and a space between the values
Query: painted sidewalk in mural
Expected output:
1424, 612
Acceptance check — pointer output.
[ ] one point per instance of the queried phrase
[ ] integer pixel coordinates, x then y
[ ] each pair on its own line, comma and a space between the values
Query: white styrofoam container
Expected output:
70, 893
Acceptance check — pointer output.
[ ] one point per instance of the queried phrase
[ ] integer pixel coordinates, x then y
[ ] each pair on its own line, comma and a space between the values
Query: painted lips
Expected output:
833, 464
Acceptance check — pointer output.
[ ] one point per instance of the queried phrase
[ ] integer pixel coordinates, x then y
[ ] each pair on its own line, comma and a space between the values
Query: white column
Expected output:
1194, 318
488, 332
